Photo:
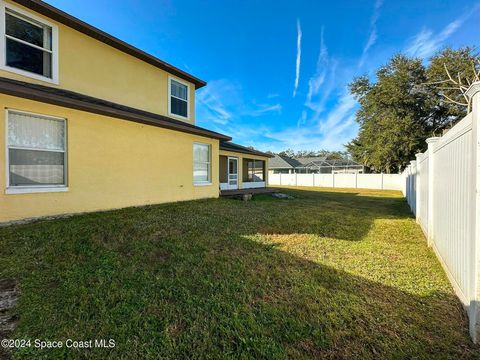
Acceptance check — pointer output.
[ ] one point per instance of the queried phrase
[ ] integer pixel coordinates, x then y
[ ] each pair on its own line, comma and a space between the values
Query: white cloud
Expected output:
304, 139
210, 100
222, 104
342, 111
331, 131
317, 80
426, 42
323, 82
302, 119
299, 56
262, 109
273, 96
319, 127
372, 38
245, 135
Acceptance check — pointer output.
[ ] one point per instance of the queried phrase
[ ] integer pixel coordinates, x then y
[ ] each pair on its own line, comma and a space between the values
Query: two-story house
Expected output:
93, 123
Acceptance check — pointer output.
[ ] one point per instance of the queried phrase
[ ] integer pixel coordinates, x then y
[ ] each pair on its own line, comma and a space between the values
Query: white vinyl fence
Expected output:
442, 189
356, 181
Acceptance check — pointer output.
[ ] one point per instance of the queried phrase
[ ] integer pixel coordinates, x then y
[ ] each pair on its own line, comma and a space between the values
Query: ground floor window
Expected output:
36, 150
254, 170
201, 163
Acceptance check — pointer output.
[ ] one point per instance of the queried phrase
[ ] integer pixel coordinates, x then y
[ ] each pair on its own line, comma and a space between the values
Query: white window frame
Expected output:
170, 78
27, 189
209, 163
3, 51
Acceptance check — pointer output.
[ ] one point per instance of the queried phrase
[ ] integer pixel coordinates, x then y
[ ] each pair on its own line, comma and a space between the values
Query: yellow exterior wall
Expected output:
93, 68
242, 156
111, 164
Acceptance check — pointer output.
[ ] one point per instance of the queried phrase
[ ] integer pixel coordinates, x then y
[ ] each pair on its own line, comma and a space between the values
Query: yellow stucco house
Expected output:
90, 123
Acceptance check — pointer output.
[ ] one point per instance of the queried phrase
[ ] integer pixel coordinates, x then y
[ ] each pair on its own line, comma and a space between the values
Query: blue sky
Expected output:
278, 71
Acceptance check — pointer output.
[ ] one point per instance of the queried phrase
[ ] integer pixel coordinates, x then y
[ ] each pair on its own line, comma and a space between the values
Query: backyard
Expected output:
330, 273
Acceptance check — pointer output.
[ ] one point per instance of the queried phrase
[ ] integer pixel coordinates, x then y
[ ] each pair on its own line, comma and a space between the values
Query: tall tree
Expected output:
448, 69
408, 103
392, 115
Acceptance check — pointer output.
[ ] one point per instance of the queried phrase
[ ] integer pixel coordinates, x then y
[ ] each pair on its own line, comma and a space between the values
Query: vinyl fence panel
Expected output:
442, 188
422, 191
354, 181
369, 181
453, 197
345, 180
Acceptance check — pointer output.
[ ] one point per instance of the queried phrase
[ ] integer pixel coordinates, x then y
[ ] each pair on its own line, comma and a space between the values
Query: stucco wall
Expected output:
111, 164
91, 67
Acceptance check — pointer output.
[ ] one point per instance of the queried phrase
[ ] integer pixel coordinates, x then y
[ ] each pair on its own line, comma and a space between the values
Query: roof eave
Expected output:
89, 30
246, 151
41, 93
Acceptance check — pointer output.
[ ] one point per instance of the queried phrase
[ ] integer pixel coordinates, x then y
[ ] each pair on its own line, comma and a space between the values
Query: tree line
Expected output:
328, 155
407, 102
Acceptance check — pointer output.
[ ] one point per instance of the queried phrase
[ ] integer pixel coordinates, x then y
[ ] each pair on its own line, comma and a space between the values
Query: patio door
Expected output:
232, 173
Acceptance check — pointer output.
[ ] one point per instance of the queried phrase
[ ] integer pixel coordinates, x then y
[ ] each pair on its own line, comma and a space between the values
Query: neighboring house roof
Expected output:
78, 101
229, 146
283, 162
89, 30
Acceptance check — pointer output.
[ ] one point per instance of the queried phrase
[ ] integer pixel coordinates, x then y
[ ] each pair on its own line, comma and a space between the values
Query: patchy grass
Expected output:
330, 274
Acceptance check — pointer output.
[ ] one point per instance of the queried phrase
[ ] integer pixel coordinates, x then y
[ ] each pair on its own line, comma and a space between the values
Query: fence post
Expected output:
418, 197
408, 189
431, 188
473, 93
407, 183
413, 200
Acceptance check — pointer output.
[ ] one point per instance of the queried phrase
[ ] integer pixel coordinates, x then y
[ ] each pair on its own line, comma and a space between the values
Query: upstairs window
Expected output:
178, 103
28, 45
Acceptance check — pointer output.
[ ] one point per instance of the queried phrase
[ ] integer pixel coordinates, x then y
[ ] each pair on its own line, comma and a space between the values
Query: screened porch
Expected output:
238, 172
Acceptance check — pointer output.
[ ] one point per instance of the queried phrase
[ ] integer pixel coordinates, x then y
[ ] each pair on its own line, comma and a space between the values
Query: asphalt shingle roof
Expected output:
283, 162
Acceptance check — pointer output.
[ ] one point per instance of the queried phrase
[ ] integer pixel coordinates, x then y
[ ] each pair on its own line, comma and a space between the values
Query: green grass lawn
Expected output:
329, 274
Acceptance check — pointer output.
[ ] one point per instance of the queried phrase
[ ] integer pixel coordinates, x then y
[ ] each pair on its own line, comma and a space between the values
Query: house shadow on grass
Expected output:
198, 280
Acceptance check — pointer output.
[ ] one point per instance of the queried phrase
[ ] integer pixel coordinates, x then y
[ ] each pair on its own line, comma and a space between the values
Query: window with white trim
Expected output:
28, 44
36, 151
178, 102
202, 164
